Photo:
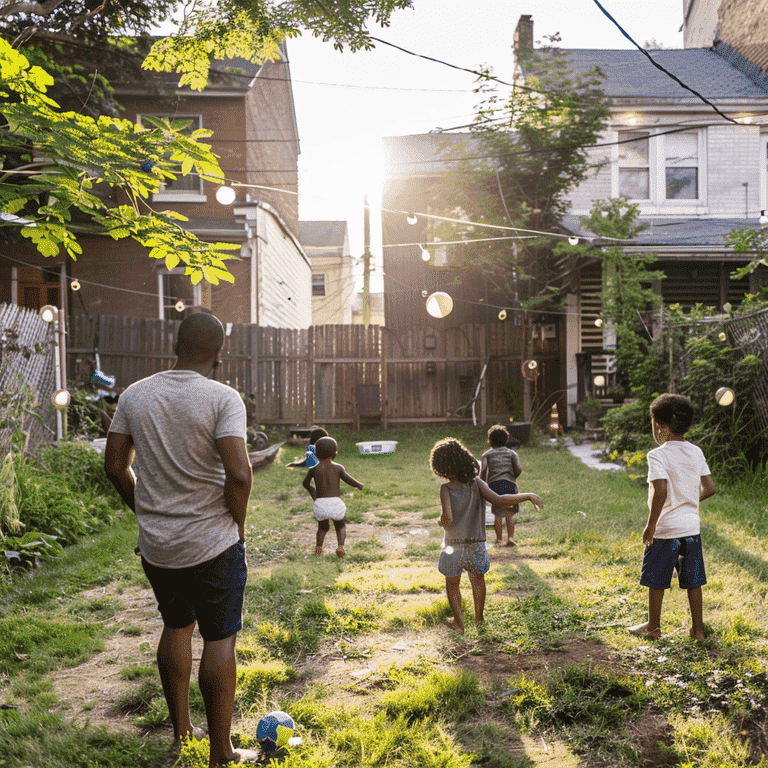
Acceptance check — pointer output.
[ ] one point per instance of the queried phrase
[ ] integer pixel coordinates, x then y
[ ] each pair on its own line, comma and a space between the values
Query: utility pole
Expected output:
366, 262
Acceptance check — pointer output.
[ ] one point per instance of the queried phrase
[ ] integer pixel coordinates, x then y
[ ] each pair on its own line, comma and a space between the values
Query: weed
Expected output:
138, 700
258, 679
366, 551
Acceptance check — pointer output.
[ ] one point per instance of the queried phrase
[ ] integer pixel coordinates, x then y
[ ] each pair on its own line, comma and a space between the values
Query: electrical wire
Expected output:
658, 66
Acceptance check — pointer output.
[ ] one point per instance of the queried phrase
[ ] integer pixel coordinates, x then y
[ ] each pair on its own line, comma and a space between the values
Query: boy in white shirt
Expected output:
678, 479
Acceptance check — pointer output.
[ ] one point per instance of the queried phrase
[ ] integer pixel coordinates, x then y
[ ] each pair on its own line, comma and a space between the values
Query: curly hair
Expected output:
452, 460
326, 448
498, 436
674, 411
316, 434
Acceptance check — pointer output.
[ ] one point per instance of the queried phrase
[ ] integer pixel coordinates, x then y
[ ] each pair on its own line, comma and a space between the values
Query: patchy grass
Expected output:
552, 664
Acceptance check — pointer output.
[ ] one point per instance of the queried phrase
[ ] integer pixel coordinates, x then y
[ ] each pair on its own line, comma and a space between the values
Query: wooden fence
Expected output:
299, 377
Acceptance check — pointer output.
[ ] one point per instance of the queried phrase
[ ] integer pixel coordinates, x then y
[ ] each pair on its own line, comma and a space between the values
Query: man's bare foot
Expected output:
195, 733
511, 543
696, 635
451, 624
340, 551
642, 631
318, 550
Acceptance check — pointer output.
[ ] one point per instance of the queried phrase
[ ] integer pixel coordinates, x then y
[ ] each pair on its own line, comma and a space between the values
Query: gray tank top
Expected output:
468, 508
499, 461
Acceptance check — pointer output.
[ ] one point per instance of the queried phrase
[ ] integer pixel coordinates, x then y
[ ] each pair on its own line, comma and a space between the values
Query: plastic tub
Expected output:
377, 447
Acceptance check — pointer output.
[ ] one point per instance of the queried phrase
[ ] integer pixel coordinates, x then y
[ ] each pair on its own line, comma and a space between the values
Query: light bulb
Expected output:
75, 285
532, 365
226, 195
573, 241
439, 304
424, 254
411, 218
60, 399
48, 313
599, 381
179, 306
721, 336
763, 220
599, 322
424, 294
503, 314
725, 396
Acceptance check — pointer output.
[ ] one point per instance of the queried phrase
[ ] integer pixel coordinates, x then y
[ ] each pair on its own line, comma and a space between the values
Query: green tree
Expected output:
626, 295
526, 151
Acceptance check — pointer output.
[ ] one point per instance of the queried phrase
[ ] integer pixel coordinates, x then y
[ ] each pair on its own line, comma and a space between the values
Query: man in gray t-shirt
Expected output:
190, 495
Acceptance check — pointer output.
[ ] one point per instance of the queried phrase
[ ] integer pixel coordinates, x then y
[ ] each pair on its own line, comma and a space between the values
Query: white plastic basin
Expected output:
377, 447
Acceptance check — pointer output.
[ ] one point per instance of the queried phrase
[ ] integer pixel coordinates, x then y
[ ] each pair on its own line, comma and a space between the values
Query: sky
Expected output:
345, 102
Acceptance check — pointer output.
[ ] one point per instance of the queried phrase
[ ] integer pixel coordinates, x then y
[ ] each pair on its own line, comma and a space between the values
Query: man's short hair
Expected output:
674, 411
325, 448
498, 436
200, 336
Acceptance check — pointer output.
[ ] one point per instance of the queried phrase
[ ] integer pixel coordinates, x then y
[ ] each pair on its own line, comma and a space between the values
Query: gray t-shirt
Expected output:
499, 461
468, 509
173, 418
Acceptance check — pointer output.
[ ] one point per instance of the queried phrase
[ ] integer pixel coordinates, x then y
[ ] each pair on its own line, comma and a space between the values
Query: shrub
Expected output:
628, 428
80, 467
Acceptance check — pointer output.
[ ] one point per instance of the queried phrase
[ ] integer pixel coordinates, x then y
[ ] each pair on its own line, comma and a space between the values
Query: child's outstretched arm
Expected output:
508, 499
349, 480
707, 488
308, 484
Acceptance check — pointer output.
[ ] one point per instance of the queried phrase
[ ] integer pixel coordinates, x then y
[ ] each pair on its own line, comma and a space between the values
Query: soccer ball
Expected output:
274, 730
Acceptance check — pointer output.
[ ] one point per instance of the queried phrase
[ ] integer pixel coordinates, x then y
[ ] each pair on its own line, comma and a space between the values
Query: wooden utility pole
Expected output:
366, 262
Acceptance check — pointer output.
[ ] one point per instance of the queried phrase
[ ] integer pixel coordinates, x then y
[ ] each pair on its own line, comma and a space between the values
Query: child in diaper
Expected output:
327, 476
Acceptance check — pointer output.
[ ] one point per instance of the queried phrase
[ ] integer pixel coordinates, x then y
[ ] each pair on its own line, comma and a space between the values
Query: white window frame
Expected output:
196, 291
657, 183
180, 195
317, 276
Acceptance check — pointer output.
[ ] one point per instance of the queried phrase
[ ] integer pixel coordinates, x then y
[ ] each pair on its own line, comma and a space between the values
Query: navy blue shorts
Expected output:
664, 555
210, 593
503, 487
471, 557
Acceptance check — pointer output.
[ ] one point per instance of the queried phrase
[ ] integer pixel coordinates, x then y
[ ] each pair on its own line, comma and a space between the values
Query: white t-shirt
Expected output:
174, 418
682, 465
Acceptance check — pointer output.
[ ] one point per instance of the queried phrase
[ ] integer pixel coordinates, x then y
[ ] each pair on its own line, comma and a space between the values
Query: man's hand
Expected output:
648, 533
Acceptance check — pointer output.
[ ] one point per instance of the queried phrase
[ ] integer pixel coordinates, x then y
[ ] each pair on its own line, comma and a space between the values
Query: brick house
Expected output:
250, 109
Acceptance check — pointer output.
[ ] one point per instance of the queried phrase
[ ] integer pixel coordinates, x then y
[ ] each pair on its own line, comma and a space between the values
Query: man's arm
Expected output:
238, 479
117, 465
658, 497
707, 488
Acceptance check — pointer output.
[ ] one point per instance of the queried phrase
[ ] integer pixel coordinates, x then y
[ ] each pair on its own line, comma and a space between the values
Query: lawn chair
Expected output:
367, 405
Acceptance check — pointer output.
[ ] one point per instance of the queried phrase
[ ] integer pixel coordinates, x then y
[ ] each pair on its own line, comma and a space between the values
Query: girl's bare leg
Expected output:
454, 600
510, 516
477, 580
498, 524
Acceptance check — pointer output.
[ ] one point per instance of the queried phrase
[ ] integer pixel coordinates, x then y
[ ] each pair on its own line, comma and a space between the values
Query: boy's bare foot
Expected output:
642, 631
195, 733
340, 552
497, 543
511, 543
318, 550
451, 624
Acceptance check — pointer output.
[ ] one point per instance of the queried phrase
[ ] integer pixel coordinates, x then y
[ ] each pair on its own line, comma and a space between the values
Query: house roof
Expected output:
630, 74
675, 233
322, 234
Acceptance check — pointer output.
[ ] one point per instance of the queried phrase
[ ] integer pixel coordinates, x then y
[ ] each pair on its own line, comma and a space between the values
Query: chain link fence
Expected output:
27, 378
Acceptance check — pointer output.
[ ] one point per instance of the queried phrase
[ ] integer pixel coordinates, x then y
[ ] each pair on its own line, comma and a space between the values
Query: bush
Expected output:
80, 467
628, 428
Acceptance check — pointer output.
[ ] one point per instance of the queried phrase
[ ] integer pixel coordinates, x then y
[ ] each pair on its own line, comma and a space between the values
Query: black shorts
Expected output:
503, 487
210, 593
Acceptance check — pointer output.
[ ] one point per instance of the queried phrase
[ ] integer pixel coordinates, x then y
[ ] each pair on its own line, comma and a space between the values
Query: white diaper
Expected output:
329, 508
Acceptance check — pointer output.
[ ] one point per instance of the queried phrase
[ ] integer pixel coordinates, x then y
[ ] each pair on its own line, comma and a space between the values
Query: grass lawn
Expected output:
355, 651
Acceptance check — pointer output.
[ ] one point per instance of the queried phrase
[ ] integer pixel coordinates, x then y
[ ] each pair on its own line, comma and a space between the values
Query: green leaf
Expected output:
171, 261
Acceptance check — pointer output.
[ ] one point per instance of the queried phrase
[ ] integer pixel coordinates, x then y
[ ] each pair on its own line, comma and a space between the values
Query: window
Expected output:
634, 171
661, 169
318, 285
174, 287
764, 171
187, 188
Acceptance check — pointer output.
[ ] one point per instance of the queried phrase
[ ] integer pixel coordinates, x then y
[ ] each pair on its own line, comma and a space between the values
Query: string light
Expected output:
60, 399
599, 381
226, 195
599, 322
725, 396
439, 304
75, 285
411, 218
424, 294
48, 313
573, 241
721, 336
179, 306
424, 253
503, 314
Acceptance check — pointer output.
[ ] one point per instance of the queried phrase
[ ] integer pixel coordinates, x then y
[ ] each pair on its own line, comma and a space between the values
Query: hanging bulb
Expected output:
75, 285
424, 294
763, 219
424, 254
439, 304
599, 322
226, 195
179, 306
503, 314
573, 241
725, 396
411, 218
599, 381
721, 336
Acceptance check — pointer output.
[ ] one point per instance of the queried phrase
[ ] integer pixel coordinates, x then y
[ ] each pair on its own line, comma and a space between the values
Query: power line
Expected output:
658, 66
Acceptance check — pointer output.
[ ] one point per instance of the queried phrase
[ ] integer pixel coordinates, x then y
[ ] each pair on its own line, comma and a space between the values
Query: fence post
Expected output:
253, 369
483, 391
384, 379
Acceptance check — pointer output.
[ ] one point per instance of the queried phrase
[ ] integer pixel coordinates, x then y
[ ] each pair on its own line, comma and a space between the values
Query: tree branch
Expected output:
36, 9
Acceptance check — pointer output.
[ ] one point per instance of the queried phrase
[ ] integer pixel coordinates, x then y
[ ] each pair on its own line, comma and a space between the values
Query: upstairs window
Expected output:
318, 285
681, 165
634, 169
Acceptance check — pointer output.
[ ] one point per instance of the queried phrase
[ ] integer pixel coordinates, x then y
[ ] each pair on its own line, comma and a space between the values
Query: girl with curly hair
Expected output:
463, 500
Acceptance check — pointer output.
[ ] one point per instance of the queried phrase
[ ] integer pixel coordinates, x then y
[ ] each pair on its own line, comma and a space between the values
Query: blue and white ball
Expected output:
274, 731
